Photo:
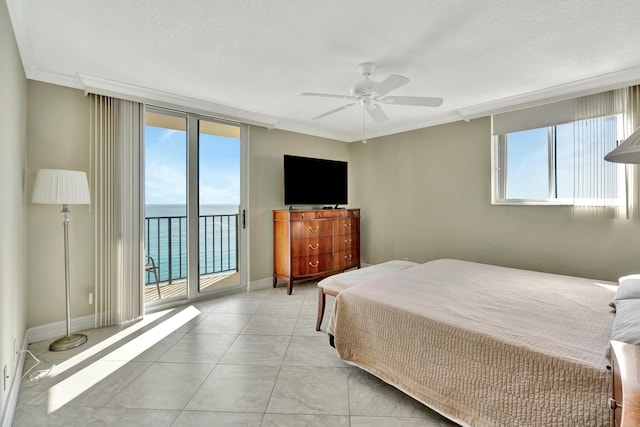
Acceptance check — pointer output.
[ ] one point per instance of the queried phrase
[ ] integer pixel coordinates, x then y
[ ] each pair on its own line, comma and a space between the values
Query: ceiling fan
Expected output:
370, 93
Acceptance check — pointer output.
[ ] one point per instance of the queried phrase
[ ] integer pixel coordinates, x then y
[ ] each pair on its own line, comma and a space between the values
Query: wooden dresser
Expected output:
314, 243
626, 384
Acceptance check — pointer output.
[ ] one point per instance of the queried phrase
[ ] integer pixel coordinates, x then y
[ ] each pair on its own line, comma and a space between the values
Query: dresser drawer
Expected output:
311, 247
346, 242
311, 265
344, 260
310, 229
346, 226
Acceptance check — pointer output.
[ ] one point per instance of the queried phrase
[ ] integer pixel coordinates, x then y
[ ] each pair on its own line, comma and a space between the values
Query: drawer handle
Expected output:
347, 257
302, 214
613, 404
314, 230
312, 265
347, 226
313, 248
347, 241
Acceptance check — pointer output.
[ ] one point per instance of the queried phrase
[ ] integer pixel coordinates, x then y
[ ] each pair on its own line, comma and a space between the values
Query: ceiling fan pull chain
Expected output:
364, 134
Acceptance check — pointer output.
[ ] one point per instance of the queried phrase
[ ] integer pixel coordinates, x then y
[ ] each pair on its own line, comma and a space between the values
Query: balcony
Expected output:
165, 240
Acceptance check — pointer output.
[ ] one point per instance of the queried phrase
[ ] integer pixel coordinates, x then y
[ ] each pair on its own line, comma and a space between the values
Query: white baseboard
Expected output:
14, 389
59, 329
265, 283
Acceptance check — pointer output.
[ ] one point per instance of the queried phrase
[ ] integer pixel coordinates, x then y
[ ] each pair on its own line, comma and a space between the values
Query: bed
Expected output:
484, 345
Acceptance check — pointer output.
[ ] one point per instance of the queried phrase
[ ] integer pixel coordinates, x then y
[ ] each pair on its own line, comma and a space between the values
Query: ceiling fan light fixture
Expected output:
370, 93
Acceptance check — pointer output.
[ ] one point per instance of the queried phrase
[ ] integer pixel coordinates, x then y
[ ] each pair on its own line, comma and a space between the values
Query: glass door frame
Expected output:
193, 203
193, 258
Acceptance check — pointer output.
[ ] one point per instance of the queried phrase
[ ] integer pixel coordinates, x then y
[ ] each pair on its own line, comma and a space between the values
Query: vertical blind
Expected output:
595, 180
632, 172
597, 183
116, 128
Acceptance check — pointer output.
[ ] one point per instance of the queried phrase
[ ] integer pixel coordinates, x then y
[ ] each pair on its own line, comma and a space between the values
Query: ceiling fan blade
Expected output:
333, 111
419, 101
392, 82
377, 114
328, 95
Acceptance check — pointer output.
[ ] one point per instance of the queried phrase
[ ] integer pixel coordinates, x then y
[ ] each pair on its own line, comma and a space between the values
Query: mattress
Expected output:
484, 345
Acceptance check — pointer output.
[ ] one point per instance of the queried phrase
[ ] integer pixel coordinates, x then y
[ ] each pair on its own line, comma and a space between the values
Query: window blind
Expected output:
557, 113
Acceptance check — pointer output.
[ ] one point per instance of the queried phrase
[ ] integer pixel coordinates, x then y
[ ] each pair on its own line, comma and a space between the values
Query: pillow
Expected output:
629, 288
626, 325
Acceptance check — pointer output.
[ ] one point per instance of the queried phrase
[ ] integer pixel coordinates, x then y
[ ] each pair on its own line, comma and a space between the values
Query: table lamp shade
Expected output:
628, 151
61, 187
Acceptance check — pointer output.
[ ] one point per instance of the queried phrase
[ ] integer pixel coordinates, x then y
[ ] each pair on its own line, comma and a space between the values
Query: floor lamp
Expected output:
63, 187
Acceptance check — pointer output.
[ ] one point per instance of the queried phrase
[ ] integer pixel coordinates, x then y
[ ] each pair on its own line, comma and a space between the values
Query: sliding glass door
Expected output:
195, 205
165, 234
219, 205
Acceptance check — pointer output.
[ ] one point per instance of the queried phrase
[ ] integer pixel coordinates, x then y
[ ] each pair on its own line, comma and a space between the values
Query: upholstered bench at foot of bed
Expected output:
337, 283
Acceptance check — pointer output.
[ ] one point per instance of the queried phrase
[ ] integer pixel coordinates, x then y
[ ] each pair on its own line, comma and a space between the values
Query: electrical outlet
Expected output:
90, 298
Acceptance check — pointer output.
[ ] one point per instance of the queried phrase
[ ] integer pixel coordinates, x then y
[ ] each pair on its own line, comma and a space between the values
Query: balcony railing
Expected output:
166, 241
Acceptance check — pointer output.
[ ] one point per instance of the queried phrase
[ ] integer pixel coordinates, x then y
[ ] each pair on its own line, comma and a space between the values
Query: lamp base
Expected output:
68, 342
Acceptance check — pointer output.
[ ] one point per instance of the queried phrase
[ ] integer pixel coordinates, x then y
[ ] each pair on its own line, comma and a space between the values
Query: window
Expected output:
553, 164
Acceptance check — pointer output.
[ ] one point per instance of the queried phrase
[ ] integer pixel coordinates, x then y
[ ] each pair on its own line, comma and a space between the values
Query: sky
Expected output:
166, 168
527, 163
582, 162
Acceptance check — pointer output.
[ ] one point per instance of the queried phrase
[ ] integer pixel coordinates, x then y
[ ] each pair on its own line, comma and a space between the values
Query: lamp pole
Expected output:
69, 341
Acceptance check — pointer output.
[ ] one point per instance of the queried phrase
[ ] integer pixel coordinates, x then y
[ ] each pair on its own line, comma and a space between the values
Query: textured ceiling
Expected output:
252, 59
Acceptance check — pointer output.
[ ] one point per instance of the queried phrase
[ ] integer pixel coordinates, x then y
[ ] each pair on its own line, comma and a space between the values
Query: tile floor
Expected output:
250, 359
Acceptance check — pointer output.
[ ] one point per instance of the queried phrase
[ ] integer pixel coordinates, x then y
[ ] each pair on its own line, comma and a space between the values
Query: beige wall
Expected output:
58, 131
13, 225
426, 194
266, 150
58, 134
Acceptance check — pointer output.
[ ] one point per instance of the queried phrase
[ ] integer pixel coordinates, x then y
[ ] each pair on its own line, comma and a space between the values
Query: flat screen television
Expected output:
309, 181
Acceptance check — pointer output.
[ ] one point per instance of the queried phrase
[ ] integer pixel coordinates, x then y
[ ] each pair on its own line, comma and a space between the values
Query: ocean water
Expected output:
165, 239
181, 210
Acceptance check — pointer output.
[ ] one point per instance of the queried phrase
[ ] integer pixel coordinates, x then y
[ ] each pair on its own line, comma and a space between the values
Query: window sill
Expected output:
530, 203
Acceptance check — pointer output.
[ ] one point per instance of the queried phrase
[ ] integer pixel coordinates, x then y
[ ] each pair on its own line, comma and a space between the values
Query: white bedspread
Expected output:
484, 345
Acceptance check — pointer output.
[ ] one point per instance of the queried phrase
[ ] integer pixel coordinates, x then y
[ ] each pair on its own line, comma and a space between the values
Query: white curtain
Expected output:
116, 135
596, 132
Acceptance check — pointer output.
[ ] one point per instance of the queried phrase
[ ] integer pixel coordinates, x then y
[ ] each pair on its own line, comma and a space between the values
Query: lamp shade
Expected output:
61, 187
628, 151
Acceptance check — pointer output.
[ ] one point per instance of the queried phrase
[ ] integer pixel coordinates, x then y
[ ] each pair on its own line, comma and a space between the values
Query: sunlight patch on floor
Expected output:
102, 345
70, 388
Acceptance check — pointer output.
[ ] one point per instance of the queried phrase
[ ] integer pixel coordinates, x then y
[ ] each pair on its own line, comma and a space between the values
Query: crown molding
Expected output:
54, 78
102, 86
562, 92
448, 117
321, 133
